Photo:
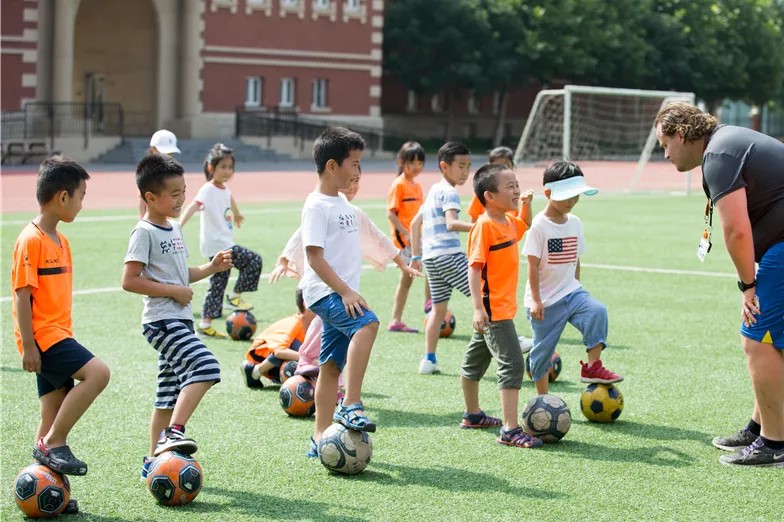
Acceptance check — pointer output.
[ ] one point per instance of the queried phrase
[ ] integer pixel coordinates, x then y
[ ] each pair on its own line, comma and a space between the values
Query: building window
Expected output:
253, 92
231, 5
287, 93
437, 102
412, 102
258, 5
326, 8
296, 7
354, 9
319, 101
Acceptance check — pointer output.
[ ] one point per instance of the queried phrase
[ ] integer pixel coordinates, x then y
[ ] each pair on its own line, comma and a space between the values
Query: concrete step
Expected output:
193, 151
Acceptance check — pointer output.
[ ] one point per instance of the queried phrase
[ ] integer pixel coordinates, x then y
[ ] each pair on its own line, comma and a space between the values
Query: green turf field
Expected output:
673, 336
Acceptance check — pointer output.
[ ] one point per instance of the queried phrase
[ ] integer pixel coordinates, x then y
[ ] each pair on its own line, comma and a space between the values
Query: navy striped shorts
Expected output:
183, 359
445, 273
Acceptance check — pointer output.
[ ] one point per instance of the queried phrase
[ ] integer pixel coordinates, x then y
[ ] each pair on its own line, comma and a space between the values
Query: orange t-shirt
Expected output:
277, 336
494, 246
45, 266
404, 199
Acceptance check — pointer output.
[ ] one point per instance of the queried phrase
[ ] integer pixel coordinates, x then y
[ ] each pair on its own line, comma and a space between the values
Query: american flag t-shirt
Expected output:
562, 250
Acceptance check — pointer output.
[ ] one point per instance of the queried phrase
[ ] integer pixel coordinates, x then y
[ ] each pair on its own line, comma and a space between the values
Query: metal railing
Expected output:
49, 120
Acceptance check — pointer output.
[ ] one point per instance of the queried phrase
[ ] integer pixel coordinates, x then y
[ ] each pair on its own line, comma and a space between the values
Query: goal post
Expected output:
583, 123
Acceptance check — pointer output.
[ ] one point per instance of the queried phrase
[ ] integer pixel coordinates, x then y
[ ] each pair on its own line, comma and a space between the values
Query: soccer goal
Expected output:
605, 124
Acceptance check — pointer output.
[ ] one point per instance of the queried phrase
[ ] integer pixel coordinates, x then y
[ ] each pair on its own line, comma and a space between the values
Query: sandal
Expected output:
60, 459
312, 452
348, 417
472, 421
519, 439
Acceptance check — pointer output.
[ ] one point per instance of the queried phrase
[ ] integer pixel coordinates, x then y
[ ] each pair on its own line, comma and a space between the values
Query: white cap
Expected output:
164, 141
568, 188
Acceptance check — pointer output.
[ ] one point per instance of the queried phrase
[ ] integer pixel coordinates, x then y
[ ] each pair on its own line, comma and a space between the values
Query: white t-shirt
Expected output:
558, 247
330, 222
216, 232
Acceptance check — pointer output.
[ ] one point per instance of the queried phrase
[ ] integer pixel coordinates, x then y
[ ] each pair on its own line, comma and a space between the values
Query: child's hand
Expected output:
416, 265
279, 271
31, 359
527, 196
353, 302
537, 311
410, 271
222, 261
481, 320
239, 219
182, 294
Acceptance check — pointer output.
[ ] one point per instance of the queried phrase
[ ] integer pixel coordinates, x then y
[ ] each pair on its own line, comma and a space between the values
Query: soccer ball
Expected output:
447, 325
345, 451
601, 402
174, 479
547, 417
297, 396
553, 372
41, 492
241, 325
287, 370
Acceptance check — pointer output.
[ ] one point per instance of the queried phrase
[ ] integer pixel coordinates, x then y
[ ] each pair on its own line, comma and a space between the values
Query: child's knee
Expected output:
97, 373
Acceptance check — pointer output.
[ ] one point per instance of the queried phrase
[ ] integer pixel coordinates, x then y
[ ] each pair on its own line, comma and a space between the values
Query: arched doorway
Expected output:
115, 59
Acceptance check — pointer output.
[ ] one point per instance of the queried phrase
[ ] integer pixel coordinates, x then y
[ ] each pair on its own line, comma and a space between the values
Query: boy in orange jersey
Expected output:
41, 283
493, 267
279, 342
403, 202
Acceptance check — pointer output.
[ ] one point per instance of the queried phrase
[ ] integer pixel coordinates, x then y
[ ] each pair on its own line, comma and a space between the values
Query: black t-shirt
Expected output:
735, 158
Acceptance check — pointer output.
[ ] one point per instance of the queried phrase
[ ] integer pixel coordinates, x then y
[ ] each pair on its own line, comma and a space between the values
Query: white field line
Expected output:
668, 271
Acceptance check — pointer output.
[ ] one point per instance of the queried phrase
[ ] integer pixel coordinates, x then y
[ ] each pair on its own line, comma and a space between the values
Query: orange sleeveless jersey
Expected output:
277, 336
494, 246
404, 199
45, 266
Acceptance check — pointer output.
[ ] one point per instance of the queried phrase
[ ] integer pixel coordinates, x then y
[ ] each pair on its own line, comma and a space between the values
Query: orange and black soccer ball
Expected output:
553, 372
297, 396
241, 325
41, 492
174, 479
287, 369
447, 325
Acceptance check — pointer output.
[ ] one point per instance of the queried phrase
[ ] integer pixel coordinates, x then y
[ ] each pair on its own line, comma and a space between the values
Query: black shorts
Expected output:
59, 363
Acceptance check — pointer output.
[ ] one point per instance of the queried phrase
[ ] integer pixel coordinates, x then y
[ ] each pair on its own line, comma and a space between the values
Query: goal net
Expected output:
601, 124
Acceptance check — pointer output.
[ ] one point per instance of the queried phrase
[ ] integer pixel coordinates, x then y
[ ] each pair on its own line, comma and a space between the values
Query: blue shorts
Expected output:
769, 327
579, 309
339, 328
59, 363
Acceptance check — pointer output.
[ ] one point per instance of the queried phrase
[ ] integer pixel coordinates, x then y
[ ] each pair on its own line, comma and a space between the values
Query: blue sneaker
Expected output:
312, 452
146, 463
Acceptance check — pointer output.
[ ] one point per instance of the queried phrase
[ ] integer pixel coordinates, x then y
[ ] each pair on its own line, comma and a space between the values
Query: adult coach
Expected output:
743, 177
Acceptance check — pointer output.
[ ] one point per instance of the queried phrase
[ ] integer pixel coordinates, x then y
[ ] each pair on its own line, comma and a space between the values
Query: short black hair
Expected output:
56, 174
153, 171
450, 149
486, 179
335, 143
300, 299
501, 153
214, 156
409, 151
561, 170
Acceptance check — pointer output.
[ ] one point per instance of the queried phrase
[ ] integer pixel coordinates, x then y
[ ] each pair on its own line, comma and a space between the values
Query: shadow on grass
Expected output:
86, 515
654, 455
656, 432
450, 479
276, 507
409, 419
11, 369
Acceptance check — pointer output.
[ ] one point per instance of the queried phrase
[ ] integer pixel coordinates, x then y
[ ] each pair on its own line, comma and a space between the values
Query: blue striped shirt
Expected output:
436, 239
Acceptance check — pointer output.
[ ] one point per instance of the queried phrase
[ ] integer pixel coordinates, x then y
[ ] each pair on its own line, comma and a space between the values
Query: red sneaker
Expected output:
597, 373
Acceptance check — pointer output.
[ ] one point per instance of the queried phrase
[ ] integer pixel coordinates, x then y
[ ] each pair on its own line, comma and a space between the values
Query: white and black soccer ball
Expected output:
547, 417
345, 451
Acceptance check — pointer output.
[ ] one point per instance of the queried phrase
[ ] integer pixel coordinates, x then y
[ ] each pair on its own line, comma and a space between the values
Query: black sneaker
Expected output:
736, 441
247, 372
174, 440
60, 459
756, 454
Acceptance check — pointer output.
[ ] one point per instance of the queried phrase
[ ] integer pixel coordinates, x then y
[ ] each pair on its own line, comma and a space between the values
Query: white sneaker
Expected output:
426, 367
526, 343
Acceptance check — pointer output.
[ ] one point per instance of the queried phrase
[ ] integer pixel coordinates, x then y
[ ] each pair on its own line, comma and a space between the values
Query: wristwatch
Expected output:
745, 286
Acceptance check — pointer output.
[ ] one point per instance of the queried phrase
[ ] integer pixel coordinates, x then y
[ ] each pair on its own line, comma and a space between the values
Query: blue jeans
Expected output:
580, 310
339, 328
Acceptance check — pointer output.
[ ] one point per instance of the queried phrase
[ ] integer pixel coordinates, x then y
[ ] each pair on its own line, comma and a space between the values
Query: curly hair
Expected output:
686, 120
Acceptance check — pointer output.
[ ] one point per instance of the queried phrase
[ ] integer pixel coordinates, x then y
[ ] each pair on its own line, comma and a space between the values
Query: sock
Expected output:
179, 427
256, 374
754, 427
773, 444
431, 357
204, 325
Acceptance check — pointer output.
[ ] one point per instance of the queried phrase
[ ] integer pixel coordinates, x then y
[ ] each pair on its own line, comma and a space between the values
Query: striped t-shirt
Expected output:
436, 239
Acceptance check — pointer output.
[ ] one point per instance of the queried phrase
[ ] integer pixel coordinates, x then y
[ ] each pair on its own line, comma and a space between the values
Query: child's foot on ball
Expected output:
60, 459
173, 439
595, 372
146, 463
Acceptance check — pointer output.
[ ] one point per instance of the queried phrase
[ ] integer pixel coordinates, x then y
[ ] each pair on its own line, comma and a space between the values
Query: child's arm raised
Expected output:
132, 281
239, 219
525, 214
220, 262
191, 209
352, 301
31, 358
537, 310
454, 224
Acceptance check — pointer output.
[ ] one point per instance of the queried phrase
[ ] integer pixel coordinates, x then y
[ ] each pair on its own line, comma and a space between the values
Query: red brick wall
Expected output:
12, 67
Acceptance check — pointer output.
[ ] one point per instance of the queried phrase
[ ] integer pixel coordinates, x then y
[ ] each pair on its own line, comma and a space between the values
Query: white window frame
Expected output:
288, 88
355, 9
296, 7
320, 95
328, 8
437, 102
412, 101
258, 5
254, 86
472, 104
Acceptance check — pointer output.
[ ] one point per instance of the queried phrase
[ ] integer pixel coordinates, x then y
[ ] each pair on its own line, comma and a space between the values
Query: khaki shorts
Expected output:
499, 342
